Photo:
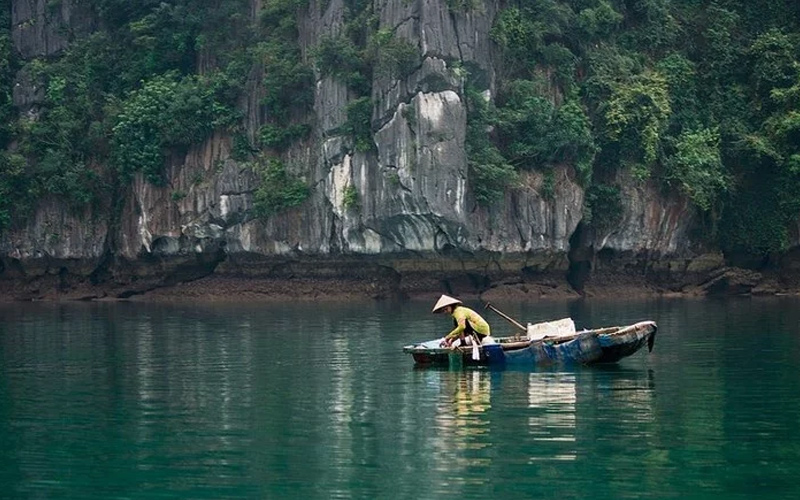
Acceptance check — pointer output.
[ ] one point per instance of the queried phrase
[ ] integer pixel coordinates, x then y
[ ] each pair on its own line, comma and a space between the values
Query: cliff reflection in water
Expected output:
192, 377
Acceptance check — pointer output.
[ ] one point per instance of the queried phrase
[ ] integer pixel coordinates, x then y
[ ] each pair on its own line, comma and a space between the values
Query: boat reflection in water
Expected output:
552, 403
460, 442
484, 417
470, 402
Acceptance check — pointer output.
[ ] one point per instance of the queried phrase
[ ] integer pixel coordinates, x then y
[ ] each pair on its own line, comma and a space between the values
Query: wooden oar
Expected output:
507, 318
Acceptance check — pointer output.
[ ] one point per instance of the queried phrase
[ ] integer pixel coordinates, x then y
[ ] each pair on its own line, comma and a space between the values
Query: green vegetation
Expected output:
280, 137
165, 113
489, 171
350, 200
636, 115
279, 190
124, 97
14, 185
533, 132
359, 123
154, 79
700, 97
289, 82
393, 57
603, 207
695, 166
341, 58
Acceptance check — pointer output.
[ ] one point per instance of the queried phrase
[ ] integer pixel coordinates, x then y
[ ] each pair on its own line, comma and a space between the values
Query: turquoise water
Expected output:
129, 400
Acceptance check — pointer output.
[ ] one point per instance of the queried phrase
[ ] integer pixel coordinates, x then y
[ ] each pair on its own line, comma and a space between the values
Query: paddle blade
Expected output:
650, 342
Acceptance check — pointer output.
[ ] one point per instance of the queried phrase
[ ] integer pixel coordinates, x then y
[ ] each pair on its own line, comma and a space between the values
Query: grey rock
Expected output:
44, 28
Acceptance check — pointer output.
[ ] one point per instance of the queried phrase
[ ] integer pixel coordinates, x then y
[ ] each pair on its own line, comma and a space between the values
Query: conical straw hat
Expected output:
444, 301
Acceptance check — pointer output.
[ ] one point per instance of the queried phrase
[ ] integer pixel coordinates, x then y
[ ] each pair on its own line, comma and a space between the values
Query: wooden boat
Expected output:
602, 345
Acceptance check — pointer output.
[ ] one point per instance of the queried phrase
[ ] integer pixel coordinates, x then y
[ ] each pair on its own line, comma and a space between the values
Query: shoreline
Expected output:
221, 289
489, 278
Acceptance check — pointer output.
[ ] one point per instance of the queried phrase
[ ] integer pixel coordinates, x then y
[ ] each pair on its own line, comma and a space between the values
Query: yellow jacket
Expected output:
462, 315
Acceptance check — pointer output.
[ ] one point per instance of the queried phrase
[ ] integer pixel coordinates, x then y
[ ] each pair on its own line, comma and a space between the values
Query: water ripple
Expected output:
310, 401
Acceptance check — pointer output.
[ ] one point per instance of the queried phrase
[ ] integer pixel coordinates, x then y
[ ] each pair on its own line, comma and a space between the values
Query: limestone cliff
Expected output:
416, 226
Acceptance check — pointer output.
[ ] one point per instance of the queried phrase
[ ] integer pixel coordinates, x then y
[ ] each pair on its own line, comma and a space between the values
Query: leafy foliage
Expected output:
341, 58
775, 65
525, 32
336, 55
489, 172
597, 22
603, 207
535, 133
166, 112
281, 137
680, 74
394, 57
7, 69
14, 187
359, 123
755, 224
350, 200
125, 95
278, 190
696, 167
523, 120
702, 97
288, 81
637, 113
57, 143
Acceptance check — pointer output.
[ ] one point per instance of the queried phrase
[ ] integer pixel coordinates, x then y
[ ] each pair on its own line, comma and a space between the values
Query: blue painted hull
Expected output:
604, 345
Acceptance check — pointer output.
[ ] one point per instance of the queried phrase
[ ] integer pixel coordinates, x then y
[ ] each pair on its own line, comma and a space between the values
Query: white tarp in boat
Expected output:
557, 328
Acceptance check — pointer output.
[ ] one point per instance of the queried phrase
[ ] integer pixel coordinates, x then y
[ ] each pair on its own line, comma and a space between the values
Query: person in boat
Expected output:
468, 323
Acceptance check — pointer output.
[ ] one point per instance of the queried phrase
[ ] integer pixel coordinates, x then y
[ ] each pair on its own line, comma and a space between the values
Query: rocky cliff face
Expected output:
416, 226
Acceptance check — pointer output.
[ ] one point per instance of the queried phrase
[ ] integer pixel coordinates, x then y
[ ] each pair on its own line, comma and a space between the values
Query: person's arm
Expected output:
461, 324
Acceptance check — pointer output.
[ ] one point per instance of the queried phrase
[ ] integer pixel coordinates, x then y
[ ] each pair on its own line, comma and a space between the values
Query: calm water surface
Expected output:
139, 401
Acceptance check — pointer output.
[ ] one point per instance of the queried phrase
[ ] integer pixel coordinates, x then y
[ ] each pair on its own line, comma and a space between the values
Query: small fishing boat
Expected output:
543, 344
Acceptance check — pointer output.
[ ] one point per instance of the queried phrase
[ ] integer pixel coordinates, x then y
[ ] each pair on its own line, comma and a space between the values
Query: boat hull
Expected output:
604, 345
487, 355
